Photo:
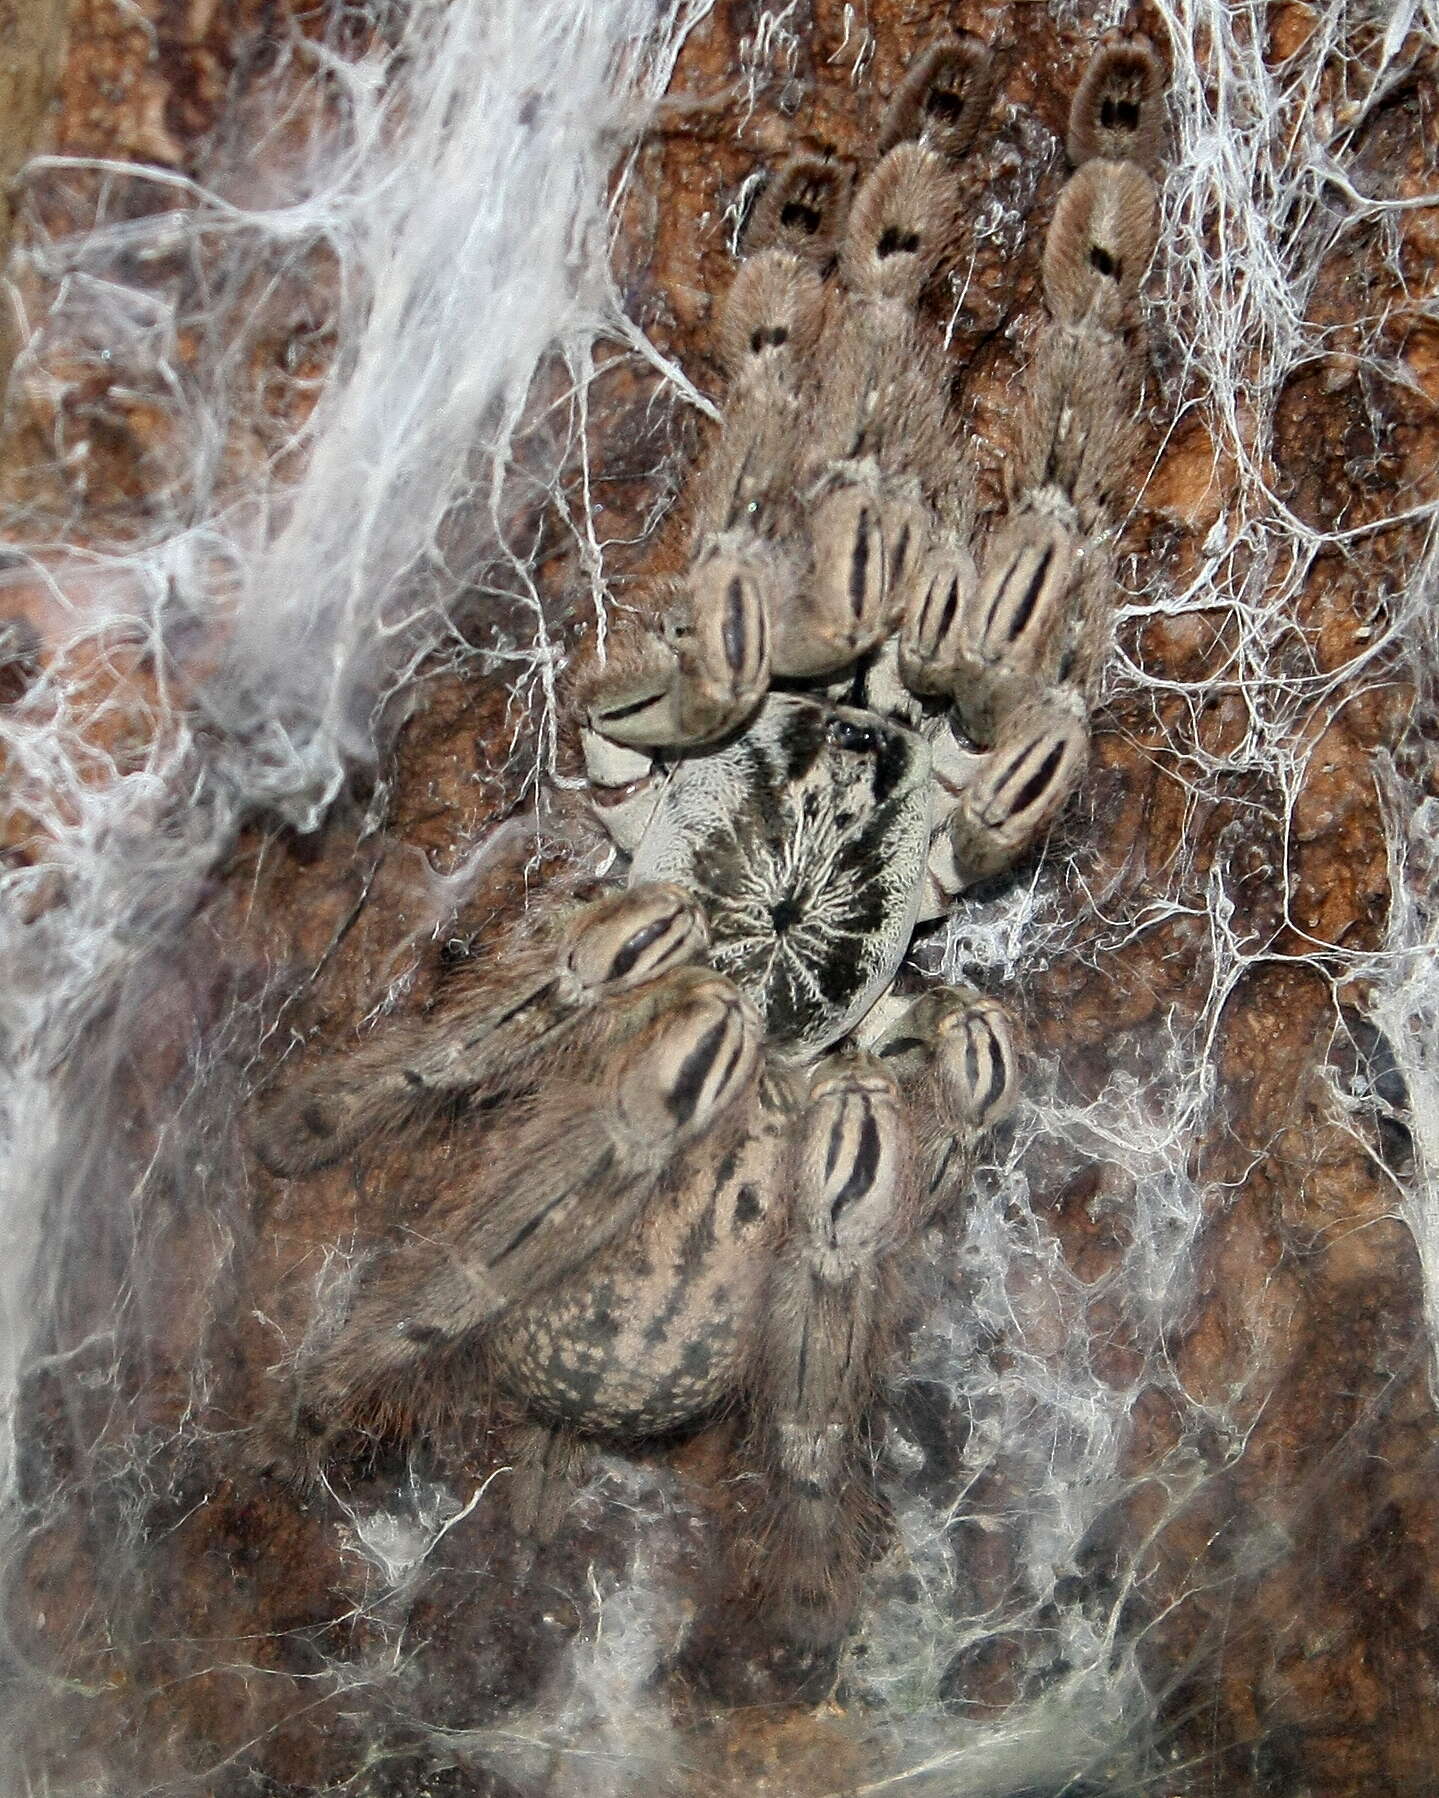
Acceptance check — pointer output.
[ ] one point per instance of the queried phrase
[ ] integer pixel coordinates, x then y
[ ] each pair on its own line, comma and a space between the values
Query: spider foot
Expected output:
801, 209
944, 97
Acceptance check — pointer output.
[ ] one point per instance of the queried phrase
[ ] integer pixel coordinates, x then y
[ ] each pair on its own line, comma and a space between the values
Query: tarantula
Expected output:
692, 1135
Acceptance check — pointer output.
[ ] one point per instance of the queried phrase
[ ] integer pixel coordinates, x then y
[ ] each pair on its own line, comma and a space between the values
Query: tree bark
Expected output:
1172, 1444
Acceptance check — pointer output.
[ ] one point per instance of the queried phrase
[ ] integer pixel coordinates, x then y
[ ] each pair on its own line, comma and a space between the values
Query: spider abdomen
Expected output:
657, 1334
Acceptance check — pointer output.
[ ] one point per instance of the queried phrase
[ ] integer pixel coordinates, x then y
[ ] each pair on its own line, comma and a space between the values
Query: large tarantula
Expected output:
692, 1133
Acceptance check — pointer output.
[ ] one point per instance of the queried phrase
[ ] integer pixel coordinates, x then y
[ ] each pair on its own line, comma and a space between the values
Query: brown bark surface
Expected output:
31, 37
1270, 1551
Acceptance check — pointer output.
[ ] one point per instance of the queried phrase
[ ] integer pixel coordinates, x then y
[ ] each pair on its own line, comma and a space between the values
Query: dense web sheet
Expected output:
427, 219
330, 344
436, 211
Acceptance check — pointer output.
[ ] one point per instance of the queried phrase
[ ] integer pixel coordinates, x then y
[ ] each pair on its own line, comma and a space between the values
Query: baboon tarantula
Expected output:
694, 1137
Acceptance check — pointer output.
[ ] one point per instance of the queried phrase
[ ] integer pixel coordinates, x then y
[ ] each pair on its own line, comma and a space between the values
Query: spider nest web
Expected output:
334, 415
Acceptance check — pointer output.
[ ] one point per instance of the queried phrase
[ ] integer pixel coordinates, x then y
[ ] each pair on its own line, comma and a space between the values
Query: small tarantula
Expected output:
693, 1136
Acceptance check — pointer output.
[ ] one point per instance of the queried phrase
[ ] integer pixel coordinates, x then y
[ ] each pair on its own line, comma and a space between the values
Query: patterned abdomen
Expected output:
656, 1333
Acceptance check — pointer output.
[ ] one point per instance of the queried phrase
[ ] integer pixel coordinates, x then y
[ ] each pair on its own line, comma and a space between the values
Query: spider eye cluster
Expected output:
858, 739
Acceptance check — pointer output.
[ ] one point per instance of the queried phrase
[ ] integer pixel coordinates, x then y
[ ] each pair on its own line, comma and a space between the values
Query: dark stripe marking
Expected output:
1029, 602
859, 565
1033, 789
733, 633
951, 606
900, 555
527, 1230
971, 1063
507, 1017
637, 944
616, 713
864, 1169
998, 1081
942, 1170
684, 1096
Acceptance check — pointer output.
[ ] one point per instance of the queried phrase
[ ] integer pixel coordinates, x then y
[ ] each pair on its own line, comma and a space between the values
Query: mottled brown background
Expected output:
1287, 1611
